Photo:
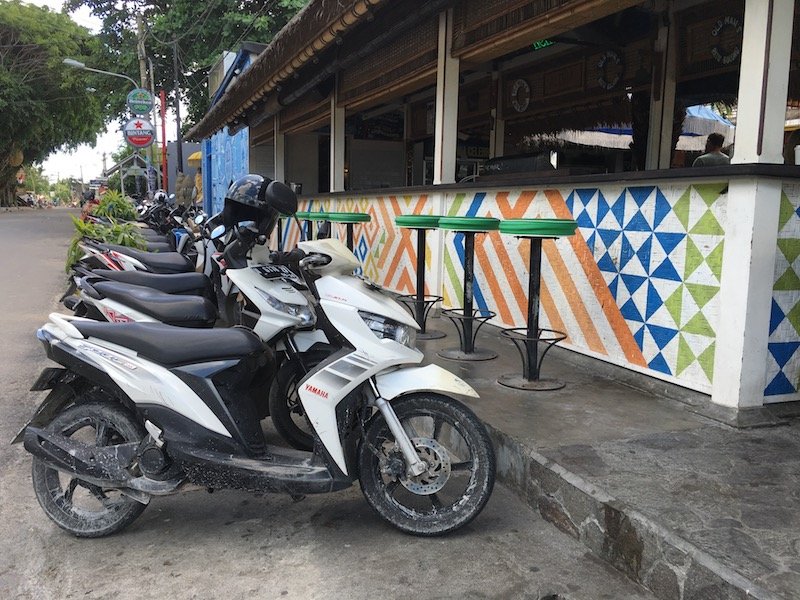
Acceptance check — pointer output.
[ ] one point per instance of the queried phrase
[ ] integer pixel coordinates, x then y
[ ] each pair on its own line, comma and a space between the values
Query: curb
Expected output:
666, 564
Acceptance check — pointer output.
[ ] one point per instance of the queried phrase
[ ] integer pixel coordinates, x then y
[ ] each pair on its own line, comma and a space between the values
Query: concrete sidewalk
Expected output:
651, 477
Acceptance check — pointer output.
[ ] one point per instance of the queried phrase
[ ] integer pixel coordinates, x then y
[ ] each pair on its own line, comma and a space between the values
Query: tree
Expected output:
201, 31
44, 105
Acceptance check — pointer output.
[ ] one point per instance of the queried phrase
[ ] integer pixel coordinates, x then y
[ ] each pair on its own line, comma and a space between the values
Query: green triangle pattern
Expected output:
790, 248
788, 281
681, 208
685, 355
710, 192
699, 325
786, 211
794, 317
694, 258
702, 293
674, 305
714, 260
706, 360
708, 225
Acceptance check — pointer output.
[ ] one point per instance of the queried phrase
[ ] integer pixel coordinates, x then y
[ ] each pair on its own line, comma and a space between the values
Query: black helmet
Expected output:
256, 198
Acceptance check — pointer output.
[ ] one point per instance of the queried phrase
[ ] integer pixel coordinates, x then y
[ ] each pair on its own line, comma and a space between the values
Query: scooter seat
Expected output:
157, 262
157, 246
172, 346
184, 311
175, 283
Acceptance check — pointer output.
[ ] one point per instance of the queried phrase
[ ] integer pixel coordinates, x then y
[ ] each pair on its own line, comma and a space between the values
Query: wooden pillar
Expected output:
751, 229
446, 129
662, 97
279, 141
337, 141
498, 132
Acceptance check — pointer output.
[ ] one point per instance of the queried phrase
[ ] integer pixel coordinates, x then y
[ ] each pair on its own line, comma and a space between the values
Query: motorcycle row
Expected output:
174, 356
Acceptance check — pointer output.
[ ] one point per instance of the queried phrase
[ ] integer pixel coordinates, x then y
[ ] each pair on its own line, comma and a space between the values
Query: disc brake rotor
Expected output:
436, 475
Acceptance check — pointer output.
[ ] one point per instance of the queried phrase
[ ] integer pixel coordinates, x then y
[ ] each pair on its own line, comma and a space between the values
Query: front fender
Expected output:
431, 378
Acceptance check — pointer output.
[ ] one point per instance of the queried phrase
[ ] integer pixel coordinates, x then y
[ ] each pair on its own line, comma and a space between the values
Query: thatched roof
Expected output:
314, 29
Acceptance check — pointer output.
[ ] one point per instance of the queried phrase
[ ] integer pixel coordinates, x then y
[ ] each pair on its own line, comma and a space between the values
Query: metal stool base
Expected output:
431, 334
518, 382
459, 354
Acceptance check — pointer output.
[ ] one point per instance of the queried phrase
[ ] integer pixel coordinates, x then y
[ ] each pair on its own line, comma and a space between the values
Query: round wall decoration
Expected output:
723, 28
609, 70
520, 95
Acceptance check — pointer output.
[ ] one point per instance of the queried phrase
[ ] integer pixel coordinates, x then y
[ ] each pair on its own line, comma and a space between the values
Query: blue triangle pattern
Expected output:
606, 264
602, 207
659, 363
638, 223
663, 208
783, 351
779, 385
639, 337
584, 219
609, 236
643, 253
586, 195
640, 194
570, 202
590, 241
612, 286
626, 254
662, 335
618, 208
669, 241
632, 282
630, 312
776, 317
666, 271
654, 301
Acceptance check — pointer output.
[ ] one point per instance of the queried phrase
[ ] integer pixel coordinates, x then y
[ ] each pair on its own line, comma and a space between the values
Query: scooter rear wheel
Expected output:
81, 508
460, 458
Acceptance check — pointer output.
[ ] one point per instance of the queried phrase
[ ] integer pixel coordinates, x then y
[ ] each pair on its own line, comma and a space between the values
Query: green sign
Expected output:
539, 44
140, 101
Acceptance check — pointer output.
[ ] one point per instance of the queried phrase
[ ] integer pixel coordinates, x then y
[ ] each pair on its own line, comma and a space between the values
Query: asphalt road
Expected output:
238, 545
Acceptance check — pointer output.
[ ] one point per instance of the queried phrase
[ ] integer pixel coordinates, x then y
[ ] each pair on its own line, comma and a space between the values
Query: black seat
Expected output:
157, 262
176, 283
157, 246
172, 346
184, 311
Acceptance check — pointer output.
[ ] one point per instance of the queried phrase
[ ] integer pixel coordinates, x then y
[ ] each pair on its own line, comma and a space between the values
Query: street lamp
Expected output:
75, 64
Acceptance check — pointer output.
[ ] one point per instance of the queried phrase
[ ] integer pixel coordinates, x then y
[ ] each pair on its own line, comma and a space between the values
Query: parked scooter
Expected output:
166, 406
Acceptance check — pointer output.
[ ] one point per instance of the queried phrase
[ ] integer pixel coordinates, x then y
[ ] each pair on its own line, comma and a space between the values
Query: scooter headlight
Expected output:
388, 329
302, 312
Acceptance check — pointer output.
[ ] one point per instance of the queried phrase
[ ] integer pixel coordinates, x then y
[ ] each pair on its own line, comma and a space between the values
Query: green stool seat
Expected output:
477, 224
348, 217
418, 221
527, 339
545, 228
312, 216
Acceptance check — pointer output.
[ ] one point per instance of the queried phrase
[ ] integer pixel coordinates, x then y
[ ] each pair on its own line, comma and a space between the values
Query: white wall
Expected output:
302, 158
376, 164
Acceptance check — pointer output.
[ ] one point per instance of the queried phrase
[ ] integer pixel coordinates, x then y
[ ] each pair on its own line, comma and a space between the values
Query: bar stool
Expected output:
464, 318
349, 219
527, 339
309, 218
420, 304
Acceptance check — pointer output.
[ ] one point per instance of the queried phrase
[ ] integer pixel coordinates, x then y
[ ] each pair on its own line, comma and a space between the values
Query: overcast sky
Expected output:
87, 160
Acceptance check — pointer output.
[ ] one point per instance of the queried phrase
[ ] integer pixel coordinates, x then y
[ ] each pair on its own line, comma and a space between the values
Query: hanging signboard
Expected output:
139, 133
140, 101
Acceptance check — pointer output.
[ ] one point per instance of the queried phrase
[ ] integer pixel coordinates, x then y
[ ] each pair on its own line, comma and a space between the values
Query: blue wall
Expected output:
225, 158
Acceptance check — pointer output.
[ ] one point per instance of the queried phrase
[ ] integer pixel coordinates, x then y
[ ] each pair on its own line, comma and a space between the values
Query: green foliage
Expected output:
43, 104
114, 206
121, 234
62, 191
202, 30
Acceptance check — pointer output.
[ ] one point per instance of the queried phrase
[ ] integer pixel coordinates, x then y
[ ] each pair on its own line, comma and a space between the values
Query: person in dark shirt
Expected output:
714, 156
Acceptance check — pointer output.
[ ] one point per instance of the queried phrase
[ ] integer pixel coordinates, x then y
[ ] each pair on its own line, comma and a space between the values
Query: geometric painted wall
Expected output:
783, 359
637, 285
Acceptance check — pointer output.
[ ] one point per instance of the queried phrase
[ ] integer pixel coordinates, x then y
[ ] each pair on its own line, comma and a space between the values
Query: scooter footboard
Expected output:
431, 378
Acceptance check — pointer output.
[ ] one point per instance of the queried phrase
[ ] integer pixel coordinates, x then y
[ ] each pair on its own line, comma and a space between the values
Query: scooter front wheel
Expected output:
460, 466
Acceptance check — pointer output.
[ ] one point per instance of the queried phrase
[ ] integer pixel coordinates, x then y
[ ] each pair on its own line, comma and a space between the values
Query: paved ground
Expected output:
237, 545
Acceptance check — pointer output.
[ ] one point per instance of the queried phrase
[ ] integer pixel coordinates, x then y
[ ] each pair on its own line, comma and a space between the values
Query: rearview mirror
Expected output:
218, 232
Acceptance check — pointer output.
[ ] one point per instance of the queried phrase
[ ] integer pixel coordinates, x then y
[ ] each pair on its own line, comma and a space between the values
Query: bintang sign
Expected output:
139, 132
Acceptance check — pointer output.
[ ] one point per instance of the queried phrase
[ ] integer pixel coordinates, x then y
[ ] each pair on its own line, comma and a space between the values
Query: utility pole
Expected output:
141, 54
179, 142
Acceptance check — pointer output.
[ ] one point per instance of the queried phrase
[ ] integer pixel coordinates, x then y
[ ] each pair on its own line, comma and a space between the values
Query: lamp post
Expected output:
75, 64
